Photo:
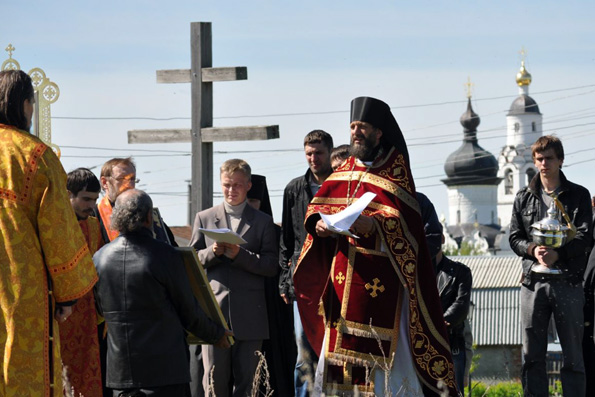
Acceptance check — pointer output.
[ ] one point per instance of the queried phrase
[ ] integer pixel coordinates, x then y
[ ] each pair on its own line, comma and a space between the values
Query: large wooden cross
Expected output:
201, 76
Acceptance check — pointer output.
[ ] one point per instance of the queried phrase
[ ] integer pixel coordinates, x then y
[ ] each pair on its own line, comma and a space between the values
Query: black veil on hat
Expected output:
260, 192
377, 113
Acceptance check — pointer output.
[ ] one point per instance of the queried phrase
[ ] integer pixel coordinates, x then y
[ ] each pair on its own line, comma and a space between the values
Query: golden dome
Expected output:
523, 78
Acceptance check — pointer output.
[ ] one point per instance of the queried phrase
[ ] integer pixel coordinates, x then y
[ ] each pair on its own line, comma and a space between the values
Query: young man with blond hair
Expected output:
237, 275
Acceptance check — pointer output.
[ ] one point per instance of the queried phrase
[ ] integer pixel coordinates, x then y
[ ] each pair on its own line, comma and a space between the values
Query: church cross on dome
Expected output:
9, 49
523, 52
469, 87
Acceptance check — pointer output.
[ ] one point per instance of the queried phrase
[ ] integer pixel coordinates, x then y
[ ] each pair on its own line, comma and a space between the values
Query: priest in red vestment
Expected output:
78, 334
370, 305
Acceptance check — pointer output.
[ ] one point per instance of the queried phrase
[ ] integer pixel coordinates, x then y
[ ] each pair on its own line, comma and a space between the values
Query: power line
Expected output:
125, 150
313, 113
138, 155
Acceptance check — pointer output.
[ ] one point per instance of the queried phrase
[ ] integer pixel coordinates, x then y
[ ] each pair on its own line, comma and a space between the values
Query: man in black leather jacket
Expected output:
454, 287
147, 302
297, 195
454, 282
541, 293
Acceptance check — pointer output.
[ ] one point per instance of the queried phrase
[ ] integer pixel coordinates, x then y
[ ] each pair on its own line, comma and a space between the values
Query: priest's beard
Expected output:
366, 151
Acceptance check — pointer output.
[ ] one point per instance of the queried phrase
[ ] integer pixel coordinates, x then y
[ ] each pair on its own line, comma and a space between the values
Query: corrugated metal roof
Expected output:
496, 317
493, 271
496, 296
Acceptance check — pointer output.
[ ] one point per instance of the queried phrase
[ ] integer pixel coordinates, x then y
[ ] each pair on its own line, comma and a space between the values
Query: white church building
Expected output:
481, 189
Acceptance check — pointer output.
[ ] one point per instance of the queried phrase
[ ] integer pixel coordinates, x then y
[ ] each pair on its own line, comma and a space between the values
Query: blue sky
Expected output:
307, 57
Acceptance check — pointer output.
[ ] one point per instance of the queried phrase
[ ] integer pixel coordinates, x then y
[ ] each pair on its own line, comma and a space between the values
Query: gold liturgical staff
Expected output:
46, 93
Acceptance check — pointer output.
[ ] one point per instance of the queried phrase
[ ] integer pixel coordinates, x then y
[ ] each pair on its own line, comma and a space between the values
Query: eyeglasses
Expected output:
128, 178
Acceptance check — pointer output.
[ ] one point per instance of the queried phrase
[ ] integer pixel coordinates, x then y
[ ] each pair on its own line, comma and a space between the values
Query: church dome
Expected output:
470, 164
523, 77
524, 104
469, 120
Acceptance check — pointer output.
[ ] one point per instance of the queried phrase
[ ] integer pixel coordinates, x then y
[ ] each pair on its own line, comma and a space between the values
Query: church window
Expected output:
458, 217
517, 127
533, 126
508, 183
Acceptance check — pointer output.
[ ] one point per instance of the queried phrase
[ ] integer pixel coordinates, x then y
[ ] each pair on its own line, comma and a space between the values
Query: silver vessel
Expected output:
550, 232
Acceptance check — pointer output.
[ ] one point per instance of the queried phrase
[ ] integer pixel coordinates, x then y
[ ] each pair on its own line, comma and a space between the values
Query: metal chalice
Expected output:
550, 232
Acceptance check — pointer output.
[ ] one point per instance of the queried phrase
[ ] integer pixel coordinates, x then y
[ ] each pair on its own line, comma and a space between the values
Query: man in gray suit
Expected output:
236, 274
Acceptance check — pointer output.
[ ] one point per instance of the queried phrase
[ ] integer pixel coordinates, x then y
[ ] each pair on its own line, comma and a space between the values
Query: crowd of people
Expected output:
104, 308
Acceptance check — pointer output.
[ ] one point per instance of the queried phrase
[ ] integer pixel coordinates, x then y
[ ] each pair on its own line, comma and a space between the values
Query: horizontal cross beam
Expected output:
213, 134
208, 75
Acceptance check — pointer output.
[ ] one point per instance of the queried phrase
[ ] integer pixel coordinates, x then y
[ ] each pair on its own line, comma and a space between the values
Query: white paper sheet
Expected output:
223, 236
342, 221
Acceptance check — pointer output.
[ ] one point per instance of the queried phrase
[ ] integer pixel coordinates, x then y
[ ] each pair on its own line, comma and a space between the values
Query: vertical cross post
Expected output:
202, 117
202, 134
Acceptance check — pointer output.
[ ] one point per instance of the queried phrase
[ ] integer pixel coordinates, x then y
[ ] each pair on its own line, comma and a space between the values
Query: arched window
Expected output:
517, 127
458, 217
530, 174
508, 183
533, 126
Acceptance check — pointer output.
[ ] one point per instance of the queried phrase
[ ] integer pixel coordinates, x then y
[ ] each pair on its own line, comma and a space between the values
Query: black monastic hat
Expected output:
377, 113
260, 192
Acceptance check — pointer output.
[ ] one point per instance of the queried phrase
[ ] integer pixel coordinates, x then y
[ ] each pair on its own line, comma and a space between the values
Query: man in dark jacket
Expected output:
146, 299
454, 286
296, 197
544, 293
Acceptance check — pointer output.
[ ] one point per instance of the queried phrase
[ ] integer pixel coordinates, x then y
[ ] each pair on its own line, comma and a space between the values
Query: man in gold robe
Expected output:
78, 334
370, 305
45, 260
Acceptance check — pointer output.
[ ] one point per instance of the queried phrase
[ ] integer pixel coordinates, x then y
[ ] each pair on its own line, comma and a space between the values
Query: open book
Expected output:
342, 221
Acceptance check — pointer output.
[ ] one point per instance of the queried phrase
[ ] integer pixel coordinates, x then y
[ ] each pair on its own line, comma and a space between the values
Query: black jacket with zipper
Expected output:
147, 302
454, 282
527, 209
296, 197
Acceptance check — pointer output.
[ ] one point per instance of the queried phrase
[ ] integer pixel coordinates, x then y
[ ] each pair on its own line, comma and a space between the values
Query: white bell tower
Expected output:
515, 163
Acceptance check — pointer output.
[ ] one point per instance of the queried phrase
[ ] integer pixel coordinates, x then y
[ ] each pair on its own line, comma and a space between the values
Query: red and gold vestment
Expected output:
78, 334
350, 291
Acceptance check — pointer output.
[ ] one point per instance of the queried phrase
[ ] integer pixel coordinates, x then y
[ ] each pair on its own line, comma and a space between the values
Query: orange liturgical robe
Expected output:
40, 244
78, 334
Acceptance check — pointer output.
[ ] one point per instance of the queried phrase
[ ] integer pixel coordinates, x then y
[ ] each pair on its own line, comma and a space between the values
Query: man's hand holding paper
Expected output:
341, 222
223, 236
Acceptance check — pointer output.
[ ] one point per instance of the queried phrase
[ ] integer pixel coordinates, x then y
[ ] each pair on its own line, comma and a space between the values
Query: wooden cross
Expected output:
201, 76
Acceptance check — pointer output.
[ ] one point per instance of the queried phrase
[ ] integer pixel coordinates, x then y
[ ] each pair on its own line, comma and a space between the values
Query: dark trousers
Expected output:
544, 297
307, 359
459, 358
181, 390
238, 363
